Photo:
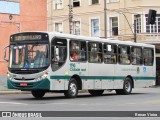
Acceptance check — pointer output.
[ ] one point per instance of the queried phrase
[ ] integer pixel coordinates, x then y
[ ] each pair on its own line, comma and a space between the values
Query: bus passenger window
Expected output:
110, 54
148, 56
136, 55
124, 54
77, 50
95, 52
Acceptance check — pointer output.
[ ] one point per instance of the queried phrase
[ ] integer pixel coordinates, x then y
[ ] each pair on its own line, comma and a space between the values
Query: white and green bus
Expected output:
43, 62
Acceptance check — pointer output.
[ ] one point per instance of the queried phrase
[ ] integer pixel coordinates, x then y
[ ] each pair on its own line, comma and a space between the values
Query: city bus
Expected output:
43, 62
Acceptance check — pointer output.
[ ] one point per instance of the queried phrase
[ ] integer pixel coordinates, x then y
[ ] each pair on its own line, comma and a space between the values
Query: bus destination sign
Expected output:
27, 37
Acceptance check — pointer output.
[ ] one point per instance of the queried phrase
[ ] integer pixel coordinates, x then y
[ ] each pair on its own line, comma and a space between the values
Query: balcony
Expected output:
152, 38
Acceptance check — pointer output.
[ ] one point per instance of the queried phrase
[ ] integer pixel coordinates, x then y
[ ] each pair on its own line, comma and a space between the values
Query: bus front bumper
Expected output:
25, 86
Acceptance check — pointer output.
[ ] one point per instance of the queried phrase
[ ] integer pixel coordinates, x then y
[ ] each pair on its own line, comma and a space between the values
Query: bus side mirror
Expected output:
5, 49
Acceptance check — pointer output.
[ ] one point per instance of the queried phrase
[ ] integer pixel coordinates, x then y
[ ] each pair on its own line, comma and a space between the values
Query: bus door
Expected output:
59, 63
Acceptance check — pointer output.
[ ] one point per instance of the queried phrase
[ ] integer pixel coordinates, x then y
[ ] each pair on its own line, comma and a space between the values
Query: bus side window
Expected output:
148, 56
110, 54
136, 55
95, 52
78, 50
124, 54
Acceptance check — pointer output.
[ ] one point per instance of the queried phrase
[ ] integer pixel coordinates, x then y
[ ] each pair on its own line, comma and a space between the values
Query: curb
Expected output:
13, 92
155, 86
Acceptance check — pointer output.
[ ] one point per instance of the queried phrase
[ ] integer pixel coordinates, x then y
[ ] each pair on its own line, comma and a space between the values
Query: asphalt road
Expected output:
141, 99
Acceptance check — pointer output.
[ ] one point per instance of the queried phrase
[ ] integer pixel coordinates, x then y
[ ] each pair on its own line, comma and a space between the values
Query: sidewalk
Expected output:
155, 86
3, 92
3, 87
3, 82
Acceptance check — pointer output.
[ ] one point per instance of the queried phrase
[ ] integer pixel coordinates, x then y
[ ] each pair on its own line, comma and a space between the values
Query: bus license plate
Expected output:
23, 84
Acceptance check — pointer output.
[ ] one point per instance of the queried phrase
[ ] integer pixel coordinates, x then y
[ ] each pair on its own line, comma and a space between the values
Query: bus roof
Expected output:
86, 38
108, 40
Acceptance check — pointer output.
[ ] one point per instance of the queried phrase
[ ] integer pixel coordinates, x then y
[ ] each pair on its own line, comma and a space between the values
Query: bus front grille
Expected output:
24, 79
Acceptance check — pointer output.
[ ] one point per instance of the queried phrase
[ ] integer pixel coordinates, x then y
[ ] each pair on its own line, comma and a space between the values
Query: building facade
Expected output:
87, 18
124, 20
19, 16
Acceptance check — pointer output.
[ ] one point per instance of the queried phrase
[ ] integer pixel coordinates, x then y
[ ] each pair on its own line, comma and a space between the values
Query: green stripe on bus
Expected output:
60, 77
144, 78
103, 77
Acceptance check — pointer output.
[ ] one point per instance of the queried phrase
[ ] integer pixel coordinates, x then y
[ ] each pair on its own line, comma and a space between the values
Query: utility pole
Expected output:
135, 31
105, 18
70, 16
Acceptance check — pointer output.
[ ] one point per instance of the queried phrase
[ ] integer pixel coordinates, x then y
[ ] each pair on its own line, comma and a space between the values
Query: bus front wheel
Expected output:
38, 93
96, 92
72, 89
127, 87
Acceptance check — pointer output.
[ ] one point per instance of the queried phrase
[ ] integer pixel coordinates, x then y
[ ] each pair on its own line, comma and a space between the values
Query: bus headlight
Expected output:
9, 76
44, 76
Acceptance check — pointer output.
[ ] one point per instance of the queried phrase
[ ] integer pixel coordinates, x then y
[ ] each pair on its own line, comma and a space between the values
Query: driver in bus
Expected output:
26, 64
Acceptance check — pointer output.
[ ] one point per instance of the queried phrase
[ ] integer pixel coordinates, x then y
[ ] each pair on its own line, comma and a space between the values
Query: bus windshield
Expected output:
29, 56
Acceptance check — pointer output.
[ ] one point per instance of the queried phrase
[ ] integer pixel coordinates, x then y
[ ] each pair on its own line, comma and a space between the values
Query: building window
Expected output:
94, 2
110, 1
76, 3
95, 28
153, 28
58, 4
138, 23
76, 27
58, 27
9, 7
114, 26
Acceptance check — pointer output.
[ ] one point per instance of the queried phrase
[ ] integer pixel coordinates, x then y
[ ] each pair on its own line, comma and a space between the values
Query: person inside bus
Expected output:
37, 59
124, 59
26, 64
127, 60
74, 56
114, 58
98, 58
42, 59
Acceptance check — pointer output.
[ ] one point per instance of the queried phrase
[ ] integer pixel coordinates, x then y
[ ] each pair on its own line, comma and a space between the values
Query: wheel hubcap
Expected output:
127, 86
73, 89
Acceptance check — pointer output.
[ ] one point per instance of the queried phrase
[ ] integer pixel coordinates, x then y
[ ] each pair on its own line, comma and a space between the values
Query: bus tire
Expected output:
127, 87
38, 93
96, 92
72, 89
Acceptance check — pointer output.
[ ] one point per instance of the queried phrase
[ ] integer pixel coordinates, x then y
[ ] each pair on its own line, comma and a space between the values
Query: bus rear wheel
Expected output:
127, 87
96, 92
72, 89
38, 93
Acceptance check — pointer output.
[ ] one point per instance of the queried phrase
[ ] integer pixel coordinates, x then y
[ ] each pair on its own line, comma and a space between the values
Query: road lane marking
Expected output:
13, 103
